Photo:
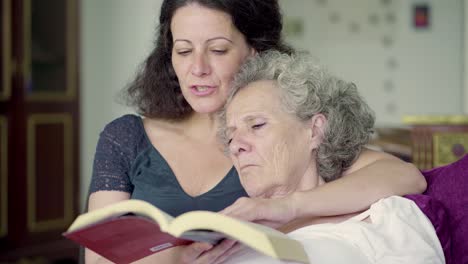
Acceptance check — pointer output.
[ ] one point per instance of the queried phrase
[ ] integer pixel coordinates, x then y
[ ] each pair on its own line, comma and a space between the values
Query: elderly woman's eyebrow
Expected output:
252, 117
246, 119
229, 130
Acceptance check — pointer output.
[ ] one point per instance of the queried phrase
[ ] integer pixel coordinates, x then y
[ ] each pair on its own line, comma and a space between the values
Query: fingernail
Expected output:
201, 247
207, 247
230, 243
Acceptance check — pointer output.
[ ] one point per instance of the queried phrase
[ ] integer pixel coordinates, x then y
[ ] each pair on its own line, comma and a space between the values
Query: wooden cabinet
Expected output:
427, 141
438, 140
39, 129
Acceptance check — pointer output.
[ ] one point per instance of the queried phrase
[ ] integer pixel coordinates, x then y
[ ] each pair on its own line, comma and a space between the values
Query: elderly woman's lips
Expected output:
243, 167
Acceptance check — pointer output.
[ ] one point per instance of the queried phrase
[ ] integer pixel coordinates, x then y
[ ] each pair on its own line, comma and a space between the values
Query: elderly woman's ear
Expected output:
317, 125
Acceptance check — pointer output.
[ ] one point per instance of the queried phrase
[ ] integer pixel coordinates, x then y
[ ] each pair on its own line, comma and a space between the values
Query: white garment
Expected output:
398, 232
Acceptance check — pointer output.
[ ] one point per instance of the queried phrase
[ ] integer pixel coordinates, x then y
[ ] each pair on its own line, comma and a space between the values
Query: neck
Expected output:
202, 127
309, 180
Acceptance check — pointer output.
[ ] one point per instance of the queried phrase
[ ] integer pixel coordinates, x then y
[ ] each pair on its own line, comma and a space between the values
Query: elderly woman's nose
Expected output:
239, 145
200, 65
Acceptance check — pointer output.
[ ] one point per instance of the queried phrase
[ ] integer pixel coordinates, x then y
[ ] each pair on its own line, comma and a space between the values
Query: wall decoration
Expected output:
321, 2
389, 86
386, 2
391, 107
421, 16
387, 41
392, 63
390, 18
373, 19
293, 27
354, 27
334, 18
364, 21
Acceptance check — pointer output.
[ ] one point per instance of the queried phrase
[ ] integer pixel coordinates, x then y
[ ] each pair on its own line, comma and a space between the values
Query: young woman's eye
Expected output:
183, 52
258, 126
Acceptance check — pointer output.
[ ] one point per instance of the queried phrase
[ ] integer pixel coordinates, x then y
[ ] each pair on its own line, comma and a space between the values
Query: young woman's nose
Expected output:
201, 65
239, 145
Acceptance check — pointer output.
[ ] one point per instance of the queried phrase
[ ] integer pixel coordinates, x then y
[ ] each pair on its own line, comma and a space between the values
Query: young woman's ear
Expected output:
253, 51
317, 128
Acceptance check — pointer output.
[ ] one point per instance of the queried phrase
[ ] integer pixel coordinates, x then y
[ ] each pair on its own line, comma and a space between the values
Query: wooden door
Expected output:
39, 129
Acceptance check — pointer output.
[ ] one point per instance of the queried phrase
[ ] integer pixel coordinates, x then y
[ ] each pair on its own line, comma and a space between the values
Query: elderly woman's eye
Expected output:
229, 141
258, 126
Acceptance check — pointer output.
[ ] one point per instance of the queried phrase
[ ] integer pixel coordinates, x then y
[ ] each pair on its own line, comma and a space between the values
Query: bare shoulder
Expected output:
367, 157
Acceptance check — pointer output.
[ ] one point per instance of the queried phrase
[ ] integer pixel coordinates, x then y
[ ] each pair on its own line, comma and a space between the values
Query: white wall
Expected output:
427, 76
116, 36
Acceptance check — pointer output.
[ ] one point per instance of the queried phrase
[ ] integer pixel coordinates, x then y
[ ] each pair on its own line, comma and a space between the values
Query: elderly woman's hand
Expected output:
204, 253
271, 212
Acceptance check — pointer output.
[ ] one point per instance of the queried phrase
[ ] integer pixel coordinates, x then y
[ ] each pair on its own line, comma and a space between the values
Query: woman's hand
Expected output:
204, 253
271, 212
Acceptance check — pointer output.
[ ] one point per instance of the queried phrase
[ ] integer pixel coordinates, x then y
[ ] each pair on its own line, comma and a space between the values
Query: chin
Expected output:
206, 108
254, 192
206, 105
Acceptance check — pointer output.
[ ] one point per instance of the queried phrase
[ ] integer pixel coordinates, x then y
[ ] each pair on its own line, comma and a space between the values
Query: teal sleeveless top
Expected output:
126, 161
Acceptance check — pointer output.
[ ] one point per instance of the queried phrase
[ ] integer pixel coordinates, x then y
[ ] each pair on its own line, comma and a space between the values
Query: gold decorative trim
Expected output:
6, 51
26, 64
4, 176
71, 55
33, 121
443, 145
416, 155
436, 120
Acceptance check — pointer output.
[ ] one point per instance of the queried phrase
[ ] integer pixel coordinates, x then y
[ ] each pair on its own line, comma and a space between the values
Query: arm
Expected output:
110, 183
373, 176
98, 200
103, 198
184, 254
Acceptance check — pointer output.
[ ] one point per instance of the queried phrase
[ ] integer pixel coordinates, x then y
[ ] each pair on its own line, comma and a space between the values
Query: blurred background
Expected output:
64, 61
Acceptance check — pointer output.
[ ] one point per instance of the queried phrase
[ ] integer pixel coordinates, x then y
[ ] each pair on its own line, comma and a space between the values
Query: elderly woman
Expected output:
290, 126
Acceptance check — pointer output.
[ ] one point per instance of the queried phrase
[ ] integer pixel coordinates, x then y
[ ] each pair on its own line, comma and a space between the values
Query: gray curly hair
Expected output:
307, 89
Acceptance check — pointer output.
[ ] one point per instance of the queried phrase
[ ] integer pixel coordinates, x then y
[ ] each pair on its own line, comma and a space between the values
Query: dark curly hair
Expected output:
156, 93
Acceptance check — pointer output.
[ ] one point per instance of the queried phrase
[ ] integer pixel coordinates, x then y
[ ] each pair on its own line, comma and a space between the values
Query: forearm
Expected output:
93, 258
171, 255
357, 190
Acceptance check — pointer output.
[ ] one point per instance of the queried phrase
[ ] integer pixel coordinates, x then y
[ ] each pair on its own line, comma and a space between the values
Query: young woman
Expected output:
171, 156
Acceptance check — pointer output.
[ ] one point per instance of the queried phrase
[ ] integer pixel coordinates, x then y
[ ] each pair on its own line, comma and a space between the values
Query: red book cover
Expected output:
132, 229
125, 239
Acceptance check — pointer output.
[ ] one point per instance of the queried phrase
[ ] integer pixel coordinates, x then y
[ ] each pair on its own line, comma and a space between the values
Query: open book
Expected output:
129, 230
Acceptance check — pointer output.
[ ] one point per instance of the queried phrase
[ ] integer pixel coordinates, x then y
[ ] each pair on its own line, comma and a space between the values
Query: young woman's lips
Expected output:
202, 90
